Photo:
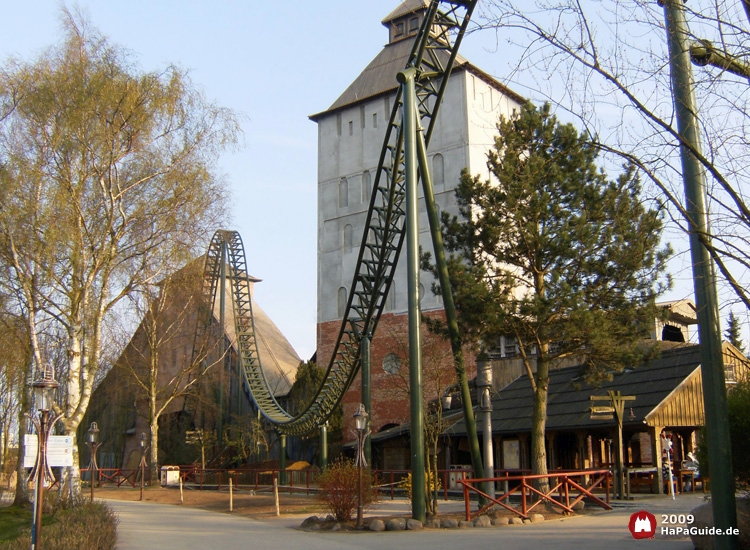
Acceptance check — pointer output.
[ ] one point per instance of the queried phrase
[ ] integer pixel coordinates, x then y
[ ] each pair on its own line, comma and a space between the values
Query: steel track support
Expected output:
449, 306
222, 340
416, 405
366, 394
704, 278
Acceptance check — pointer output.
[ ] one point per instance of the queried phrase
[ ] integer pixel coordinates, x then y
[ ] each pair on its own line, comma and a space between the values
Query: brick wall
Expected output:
389, 391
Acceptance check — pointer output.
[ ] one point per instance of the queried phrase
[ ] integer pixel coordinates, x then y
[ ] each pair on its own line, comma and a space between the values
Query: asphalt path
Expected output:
145, 526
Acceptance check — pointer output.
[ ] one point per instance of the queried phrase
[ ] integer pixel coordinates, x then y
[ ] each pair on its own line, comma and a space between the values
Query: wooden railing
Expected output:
562, 483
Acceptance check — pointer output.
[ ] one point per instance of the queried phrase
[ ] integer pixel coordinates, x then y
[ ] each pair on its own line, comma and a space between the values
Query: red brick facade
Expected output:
390, 392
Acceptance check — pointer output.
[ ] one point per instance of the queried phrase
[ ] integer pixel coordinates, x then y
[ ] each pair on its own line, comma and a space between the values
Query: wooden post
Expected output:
276, 495
231, 501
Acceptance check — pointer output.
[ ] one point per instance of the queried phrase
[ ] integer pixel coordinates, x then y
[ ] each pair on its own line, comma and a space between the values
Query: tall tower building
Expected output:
350, 137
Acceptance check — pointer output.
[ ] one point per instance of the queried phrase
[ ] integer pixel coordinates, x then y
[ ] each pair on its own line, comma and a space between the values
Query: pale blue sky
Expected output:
276, 63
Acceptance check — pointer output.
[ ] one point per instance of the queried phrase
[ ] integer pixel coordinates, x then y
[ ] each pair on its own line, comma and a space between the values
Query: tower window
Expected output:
343, 193
348, 238
399, 30
413, 24
374, 120
338, 124
351, 127
362, 116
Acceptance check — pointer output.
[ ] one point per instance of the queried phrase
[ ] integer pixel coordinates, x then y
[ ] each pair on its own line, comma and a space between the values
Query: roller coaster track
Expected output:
433, 55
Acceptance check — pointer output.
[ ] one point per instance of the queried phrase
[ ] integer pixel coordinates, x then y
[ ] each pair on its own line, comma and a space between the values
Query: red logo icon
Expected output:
642, 525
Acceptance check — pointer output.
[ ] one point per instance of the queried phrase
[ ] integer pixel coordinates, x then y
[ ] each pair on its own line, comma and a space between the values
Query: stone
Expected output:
336, 527
500, 521
310, 522
413, 525
537, 518
330, 517
377, 525
463, 523
704, 519
579, 506
482, 521
449, 523
396, 524
432, 524
516, 521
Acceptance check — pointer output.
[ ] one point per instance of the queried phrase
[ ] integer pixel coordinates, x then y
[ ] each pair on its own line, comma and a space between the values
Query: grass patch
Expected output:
92, 526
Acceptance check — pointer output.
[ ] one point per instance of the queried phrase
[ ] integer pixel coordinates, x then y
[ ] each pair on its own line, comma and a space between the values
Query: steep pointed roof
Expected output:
379, 77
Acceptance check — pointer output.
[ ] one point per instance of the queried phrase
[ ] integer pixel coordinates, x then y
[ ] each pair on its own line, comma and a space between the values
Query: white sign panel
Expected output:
59, 450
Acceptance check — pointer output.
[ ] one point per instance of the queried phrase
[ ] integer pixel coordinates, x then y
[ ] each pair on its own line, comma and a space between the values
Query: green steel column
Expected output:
282, 459
222, 341
418, 503
704, 279
323, 447
366, 400
450, 309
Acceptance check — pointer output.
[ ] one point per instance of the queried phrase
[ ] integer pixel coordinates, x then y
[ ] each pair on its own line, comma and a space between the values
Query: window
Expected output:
374, 120
413, 24
399, 30
348, 239
391, 363
366, 187
438, 170
343, 193
362, 116
338, 124
351, 127
342, 299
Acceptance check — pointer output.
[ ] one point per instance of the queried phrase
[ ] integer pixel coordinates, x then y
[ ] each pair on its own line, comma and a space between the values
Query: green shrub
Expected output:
92, 526
338, 488
434, 484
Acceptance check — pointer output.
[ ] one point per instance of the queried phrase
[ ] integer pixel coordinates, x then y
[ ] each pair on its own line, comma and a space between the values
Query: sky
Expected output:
275, 64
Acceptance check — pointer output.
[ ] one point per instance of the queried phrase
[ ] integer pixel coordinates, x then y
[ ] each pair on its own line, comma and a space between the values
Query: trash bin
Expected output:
170, 475
457, 471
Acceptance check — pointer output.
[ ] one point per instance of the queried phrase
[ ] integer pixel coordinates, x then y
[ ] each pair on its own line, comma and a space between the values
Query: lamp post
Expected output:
360, 424
93, 443
144, 448
44, 397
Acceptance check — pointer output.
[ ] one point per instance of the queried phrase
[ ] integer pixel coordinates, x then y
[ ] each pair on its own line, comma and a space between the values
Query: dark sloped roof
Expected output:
379, 77
569, 396
409, 6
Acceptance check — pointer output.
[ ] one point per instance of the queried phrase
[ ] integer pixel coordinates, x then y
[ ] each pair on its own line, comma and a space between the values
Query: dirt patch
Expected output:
244, 503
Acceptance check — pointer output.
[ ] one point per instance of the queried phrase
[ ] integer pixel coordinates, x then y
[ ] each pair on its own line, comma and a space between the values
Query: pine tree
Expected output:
553, 253
733, 332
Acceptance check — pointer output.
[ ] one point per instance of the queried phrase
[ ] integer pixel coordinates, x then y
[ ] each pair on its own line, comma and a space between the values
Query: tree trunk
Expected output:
23, 496
539, 424
154, 450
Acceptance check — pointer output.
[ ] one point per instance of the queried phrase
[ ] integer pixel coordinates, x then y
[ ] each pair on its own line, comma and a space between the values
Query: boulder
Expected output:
449, 523
432, 524
413, 524
500, 521
463, 523
516, 521
537, 518
377, 525
482, 521
396, 524
310, 522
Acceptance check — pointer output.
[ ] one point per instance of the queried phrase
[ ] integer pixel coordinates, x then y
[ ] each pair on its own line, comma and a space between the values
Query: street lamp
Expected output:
144, 448
44, 397
93, 443
360, 425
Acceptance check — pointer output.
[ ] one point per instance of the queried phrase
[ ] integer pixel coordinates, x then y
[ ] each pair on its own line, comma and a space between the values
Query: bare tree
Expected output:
107, 181
165, 360
607, 64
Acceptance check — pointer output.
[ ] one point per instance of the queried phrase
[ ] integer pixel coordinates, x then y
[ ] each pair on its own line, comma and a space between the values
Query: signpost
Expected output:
617, 408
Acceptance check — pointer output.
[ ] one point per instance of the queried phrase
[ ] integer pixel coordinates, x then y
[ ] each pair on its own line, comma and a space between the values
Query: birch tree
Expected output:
107, 181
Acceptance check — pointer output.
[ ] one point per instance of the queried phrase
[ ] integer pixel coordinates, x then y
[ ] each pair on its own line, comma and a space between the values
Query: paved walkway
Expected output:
145, 526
